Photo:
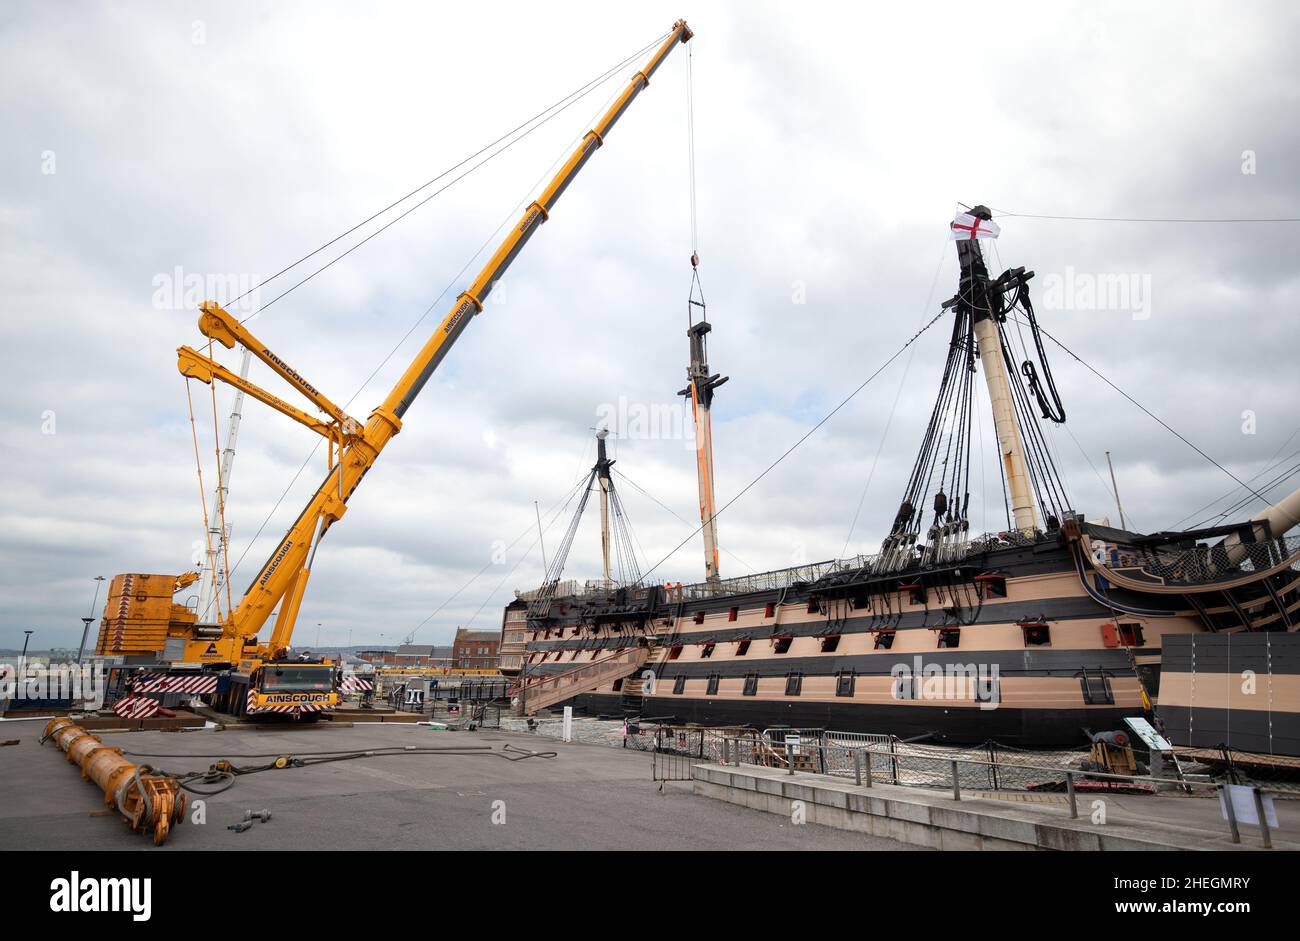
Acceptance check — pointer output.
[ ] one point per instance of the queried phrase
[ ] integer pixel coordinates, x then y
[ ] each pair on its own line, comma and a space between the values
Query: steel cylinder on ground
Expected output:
148, 802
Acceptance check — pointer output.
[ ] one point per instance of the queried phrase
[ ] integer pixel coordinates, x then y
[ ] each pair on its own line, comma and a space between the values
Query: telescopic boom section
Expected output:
283, 578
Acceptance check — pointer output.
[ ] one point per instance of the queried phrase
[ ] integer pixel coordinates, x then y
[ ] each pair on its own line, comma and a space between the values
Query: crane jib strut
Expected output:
282, 578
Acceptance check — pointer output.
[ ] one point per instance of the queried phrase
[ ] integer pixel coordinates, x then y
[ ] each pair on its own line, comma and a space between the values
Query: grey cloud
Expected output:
831, 148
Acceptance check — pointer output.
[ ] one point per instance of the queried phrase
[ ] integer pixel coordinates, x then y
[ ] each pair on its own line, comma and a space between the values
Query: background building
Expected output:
476, 650
411, 655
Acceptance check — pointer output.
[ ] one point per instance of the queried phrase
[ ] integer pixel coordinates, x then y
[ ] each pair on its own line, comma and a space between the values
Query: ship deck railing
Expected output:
580, 590
1201, 564
887, 561
1206, 564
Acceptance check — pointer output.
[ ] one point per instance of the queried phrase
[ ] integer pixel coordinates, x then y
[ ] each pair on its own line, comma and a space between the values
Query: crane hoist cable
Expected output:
541, 119
690, 147
507, 220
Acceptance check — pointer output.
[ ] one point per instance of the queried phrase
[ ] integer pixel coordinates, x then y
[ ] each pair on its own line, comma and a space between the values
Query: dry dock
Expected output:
587, 797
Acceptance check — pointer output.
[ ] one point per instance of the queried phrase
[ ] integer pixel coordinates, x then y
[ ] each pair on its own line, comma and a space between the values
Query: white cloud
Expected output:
831, 148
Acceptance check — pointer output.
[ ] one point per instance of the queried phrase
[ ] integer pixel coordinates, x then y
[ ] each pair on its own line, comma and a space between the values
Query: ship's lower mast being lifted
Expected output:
700, 392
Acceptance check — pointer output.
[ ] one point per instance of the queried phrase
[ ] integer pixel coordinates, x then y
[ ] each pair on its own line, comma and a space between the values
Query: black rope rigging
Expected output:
1052, 409
806, 435
1165, 219
621, 539
1154, 417
1049, 488
566, 542
624, 567
941, 473
948, 430
674, 514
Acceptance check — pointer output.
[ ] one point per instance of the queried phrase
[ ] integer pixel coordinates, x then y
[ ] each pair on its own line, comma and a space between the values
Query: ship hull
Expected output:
936, 723
1033, 644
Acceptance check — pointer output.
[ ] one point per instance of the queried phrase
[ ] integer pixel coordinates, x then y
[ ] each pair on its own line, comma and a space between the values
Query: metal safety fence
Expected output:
991, 766
677, 748
956, 775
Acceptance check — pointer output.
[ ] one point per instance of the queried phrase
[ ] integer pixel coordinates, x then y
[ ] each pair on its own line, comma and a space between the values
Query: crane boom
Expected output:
282, 579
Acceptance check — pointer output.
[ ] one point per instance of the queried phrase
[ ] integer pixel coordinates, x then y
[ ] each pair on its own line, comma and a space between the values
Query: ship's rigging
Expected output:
1033, 487
617, 543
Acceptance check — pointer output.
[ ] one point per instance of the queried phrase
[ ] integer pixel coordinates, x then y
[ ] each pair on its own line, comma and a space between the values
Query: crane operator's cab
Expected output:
300, 689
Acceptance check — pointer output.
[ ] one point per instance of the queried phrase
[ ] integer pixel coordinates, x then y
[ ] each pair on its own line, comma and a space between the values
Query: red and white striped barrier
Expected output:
196, 683
355, 684
136, 707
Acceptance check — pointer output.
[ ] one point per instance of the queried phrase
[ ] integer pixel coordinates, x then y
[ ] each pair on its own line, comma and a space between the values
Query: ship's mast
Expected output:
700, 392
975, 292
603, 464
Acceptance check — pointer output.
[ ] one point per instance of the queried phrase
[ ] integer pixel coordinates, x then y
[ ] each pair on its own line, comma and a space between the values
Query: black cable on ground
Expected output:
225, 780
221, 776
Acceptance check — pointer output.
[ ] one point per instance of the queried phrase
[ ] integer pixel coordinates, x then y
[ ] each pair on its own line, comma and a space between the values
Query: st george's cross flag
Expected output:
966, 226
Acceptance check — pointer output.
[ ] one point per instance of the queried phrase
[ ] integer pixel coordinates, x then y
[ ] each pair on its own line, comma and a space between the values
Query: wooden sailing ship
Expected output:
1027, 636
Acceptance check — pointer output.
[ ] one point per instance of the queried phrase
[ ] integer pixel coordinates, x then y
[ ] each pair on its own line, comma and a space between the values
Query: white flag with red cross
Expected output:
966, 226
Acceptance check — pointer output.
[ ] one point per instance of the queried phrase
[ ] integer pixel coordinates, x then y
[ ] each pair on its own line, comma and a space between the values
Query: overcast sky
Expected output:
224, 140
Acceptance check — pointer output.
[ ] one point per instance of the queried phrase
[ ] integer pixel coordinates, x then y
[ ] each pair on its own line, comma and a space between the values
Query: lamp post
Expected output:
85, 631
22, 661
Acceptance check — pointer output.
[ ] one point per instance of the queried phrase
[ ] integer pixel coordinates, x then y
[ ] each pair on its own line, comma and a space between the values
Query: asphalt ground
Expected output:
588, 797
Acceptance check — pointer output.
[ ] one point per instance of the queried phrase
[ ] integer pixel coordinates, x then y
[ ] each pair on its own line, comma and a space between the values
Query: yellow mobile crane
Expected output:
140, 618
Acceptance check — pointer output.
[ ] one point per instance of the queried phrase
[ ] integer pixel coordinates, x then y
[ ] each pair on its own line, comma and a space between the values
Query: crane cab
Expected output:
295, 688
